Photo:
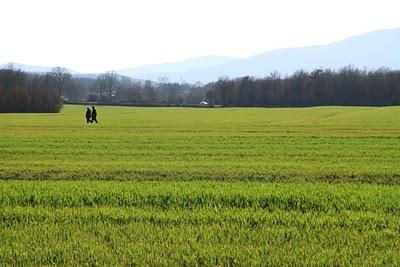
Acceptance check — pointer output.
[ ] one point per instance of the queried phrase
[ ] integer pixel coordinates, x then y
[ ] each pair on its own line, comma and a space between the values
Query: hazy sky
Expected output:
99, 35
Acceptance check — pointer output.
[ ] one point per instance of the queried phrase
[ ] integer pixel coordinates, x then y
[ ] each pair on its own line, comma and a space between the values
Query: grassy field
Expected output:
312, 144
175, 186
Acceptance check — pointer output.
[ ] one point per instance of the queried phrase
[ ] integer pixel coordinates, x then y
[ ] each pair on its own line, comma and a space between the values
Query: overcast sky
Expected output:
99, 35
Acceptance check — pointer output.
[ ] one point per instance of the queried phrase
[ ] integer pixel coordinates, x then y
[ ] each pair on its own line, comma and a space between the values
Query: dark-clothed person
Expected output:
94, 115
88, 115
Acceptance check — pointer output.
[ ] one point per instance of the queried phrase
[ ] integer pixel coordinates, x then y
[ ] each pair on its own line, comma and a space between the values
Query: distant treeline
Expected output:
23, 92
46, 92
111, 88
345, 87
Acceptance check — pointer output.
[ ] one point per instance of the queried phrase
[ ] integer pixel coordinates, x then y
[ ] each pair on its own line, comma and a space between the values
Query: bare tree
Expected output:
61, 80
111, 84
149, 94
106, 83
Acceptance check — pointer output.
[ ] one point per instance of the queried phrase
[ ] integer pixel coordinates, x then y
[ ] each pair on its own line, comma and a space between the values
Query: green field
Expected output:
180, 186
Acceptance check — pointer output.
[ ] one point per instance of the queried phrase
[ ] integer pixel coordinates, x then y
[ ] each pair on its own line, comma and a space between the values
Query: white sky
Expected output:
101, 35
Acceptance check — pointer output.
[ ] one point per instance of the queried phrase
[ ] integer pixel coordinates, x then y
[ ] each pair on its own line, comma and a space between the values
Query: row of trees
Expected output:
46, 92
110, 88
23, 92
347, 86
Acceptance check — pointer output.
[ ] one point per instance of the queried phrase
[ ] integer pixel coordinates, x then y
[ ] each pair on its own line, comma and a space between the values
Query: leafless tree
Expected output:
149, 93
111, 84
105, 86
61, 80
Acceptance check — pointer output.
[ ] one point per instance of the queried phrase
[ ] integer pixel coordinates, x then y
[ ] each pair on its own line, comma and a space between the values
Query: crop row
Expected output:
268, 158
198, 223
304, 197
153, 242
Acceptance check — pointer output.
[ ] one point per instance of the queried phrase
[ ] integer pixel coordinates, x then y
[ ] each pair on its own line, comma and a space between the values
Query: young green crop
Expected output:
306, 144
198, 223
302, 197
170, 186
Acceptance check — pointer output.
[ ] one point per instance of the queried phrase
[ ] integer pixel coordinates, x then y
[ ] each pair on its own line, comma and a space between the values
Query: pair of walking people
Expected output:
91, 115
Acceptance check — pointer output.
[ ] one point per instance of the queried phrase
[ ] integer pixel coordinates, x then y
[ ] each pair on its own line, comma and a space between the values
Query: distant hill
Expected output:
175, 69
371, 50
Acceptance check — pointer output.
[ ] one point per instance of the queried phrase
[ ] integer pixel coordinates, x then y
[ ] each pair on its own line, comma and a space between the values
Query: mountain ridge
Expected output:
370, 50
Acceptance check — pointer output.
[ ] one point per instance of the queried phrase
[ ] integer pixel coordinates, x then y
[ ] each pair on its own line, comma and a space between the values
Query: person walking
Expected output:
88, 115
94, 115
